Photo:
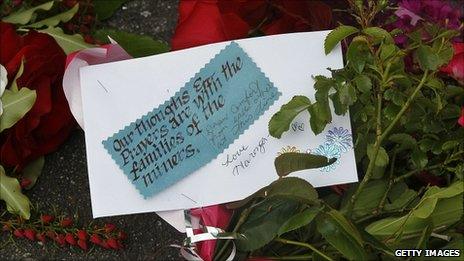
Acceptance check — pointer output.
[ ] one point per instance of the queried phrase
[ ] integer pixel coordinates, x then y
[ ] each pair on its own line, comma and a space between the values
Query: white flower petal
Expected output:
3, 80
1, 108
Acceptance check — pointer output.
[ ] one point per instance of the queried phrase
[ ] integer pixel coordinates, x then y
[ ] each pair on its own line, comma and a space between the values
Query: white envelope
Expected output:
115, 94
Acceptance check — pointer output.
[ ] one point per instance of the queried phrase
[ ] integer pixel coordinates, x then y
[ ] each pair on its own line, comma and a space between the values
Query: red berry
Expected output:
70, 3
105, 245
66, 222
25, 182
47, 219
70, 239
95, 239
109, 227
18, 233
82, 244
113, 243
29, 234
89, 39
41, 237
82, 235
60, 239
122, 235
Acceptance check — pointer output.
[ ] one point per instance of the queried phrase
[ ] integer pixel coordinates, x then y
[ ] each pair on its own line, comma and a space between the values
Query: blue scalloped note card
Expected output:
195, 125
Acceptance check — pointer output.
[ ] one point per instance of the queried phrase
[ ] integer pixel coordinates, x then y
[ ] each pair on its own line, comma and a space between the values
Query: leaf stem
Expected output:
380, 138
297, 243
243, 216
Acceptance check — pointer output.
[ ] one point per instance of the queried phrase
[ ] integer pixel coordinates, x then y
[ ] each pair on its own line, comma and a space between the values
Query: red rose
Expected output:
455, 67
49, 121
208, 21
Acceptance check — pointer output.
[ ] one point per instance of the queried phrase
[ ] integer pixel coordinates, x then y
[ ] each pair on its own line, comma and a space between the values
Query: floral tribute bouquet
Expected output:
38, 39
402, 85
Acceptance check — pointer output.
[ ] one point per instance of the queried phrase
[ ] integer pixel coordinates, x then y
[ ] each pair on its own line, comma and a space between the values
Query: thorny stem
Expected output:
243, 216
297, 243
379, 139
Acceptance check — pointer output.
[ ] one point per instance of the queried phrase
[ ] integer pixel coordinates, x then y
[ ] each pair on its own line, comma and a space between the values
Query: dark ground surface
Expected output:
64, 181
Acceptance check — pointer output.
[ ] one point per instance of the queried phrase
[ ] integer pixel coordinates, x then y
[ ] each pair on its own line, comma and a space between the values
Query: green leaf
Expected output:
56, 19
447, 211
69, 43
300, 191
347, 94
14, 85
15, 106
379, 34
281, 120
427, 58
341, 234
337, 35
382, 156
402, 201
105, 8
10, 192
405, 141
387, 51
287, 163
419, 158
358, 54
134, 44
299, 220
369, 198
24, 16
264, 222
33, 170
451, 144
375, 243
363, 83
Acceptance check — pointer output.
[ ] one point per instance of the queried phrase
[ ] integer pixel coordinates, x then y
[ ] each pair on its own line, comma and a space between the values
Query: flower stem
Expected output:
297, 243
380, 138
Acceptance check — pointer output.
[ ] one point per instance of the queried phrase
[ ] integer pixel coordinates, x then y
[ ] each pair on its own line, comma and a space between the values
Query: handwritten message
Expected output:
195, 125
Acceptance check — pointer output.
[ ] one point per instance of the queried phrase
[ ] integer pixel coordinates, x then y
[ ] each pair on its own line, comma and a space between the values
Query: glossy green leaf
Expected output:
446, 211
341, 234
387, 51
404, 140
264, 222
69, 43
451, 144
134, 44
299, 220
428, 59
25, 16
56, 19
10, 192
382, 156
281, 120
33, 170
337, 35
288, 187
358, 54
14, 85
369, 198
347, 94
15, 106
379, 34
363, 83
104, 9
402, 201
287, 163
419, 158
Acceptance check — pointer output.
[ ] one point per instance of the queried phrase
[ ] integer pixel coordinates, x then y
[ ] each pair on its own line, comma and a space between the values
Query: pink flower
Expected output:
455, 67
461, 119
215, 216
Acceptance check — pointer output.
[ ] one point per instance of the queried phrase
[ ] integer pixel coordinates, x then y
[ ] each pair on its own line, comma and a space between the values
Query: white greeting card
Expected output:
115, 94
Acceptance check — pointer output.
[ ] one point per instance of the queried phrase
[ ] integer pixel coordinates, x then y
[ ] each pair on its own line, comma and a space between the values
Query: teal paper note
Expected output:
195, 125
